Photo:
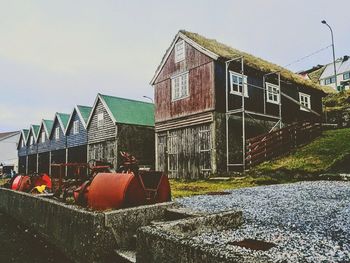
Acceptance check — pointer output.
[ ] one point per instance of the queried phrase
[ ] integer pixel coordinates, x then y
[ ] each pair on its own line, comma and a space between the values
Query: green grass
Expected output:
182, 188
317, 157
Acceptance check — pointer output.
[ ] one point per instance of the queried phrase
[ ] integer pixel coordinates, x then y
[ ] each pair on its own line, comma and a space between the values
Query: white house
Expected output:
8, 149
343, 74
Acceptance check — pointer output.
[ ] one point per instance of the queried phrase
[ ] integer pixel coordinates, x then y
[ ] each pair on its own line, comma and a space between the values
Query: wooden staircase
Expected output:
277, 142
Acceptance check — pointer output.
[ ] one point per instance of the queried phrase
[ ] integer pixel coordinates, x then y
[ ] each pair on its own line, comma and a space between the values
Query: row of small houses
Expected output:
209, 98
113, 124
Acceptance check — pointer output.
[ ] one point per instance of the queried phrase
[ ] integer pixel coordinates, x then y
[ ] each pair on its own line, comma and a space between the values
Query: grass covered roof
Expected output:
227, 52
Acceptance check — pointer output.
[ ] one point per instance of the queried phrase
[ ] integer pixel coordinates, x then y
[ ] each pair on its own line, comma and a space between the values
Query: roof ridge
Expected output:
133, 100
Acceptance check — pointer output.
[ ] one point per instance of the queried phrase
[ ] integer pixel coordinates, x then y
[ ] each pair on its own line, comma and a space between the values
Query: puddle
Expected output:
253, 244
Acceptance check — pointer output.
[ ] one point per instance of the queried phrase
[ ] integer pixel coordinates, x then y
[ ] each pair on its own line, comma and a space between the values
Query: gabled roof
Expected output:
5, 135
24, 134
217, 50
34, 129
47, 125
83, 113
62, 119
126, 111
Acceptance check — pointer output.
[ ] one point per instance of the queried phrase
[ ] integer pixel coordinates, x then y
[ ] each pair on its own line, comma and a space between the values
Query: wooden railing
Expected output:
275, 143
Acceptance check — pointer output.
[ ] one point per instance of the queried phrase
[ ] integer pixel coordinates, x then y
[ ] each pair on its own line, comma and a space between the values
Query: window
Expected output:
179, 86
31, 141
272, 93
100, 120
76, 127
42, 136
330, 80
57, 133
22, 143
346, 75
180, 51
236, 84
304, 100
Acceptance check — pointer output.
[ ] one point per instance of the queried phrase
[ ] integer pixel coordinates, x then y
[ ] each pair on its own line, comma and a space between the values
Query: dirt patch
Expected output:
218, 193
192, 188
253, 244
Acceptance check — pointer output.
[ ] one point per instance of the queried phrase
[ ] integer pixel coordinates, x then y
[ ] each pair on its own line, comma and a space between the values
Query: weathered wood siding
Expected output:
22, 164
186, 152
77, 154
201, 86
78, 139
22, 150
106, 132
138, 141
102, 141
43, 146
32, 163
61, 143
43, 162
106, 151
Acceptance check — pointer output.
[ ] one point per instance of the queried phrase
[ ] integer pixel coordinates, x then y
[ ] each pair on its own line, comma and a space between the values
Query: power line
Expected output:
305, 57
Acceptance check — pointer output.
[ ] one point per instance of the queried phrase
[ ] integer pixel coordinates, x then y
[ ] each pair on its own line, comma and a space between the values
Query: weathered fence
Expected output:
275, 143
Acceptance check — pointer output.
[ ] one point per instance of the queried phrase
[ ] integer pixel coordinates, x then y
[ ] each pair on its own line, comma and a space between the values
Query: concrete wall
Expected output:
84, 236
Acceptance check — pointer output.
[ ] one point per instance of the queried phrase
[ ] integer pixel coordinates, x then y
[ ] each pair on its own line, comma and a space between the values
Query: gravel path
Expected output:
307, 221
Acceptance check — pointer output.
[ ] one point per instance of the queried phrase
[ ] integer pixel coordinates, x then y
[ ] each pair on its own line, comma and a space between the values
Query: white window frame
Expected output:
329, 80
100, 120
182, 55
245, 84
76, 127
346, 74
57, 133
43, 137
302, 97
31, 140
182, 92
272, 92
22, 143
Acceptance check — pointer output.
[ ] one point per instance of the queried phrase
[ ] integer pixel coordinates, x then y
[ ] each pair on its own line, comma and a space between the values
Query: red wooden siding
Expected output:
201, 86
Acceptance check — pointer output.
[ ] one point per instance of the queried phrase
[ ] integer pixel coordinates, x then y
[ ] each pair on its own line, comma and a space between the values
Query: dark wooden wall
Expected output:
43, 162
78, 139
22, 164
46, 146
61, 143
138, 141
32, 162
201, 86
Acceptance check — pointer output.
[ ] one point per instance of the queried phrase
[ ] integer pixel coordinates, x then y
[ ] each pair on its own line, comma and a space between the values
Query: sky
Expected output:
57, 54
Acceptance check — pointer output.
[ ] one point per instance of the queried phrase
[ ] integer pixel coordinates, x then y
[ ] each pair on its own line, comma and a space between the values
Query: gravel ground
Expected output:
307, 221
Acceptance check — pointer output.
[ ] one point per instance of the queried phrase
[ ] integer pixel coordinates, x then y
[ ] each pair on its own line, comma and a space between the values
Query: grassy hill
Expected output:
328, 153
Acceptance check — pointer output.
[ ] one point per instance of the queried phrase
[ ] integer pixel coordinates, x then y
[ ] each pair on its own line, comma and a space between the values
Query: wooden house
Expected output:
32, 149
58, 140
118, 124
44, 145
76, 134
22, 151
209, 98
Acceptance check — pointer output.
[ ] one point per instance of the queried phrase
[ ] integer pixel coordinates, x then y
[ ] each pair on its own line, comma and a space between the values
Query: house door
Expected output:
162, 156
173, 158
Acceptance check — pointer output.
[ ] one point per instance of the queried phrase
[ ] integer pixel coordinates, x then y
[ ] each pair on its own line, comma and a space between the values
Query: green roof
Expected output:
85, 112
130, 111
48, 124
25, 132
64, 117
228, 52
36, 129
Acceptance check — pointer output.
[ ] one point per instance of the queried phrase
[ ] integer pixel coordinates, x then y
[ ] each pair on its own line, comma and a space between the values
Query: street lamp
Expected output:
335, 69
148, 98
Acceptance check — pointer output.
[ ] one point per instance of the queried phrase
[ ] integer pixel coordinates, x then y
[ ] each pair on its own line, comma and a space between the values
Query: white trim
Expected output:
268, 84
57, 133
76, 127
188, 85
177, 58
188, 41
302, 106
99, 97
245, 84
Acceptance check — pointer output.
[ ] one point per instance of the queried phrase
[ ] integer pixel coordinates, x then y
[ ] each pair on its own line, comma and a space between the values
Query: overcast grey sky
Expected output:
56, 54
